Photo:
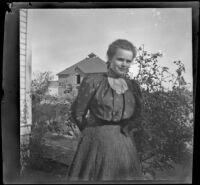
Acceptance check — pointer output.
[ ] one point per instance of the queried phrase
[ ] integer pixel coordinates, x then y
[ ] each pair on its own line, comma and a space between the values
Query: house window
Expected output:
78, 79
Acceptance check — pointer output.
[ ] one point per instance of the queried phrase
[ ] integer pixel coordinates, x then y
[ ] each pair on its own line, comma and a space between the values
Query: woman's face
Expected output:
121, 61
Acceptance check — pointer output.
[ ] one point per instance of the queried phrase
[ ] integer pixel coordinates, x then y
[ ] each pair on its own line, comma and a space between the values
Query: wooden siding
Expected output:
25, 79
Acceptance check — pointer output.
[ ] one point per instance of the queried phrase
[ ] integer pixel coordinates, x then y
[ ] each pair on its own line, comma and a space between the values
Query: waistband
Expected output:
95, 121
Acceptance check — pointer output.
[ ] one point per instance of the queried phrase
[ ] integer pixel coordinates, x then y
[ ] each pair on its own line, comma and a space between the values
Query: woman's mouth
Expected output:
123, 69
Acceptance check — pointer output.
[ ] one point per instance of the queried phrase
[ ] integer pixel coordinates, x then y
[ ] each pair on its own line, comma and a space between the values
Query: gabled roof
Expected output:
91, 64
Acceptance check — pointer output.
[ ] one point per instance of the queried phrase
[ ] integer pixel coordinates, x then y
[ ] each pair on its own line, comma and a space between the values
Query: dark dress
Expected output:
106, 150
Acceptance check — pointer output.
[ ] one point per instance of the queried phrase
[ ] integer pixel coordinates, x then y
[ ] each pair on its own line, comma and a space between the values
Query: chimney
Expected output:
91, 55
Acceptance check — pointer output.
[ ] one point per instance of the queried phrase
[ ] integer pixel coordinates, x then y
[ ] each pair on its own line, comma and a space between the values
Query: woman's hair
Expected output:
122, 44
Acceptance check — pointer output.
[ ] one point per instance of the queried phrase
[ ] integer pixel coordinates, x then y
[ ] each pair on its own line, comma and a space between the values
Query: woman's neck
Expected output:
113, 74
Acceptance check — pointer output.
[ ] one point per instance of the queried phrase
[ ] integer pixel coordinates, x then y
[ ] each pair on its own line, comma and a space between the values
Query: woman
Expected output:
106, 150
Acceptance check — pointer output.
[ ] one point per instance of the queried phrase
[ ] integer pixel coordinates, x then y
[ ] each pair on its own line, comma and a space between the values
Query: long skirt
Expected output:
104, 153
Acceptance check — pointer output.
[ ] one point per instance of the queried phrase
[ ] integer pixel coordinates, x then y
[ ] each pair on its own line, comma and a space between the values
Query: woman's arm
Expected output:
80, 106
134, 122
139, 100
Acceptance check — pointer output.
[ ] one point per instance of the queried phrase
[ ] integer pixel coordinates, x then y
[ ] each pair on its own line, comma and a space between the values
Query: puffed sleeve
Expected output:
134, 122
80, 106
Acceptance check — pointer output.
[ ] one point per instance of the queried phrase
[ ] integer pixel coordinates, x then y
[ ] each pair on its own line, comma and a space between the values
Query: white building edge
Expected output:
25, 80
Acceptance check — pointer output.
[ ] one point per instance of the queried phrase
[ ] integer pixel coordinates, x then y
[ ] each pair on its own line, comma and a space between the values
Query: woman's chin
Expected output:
122, 72
119, 72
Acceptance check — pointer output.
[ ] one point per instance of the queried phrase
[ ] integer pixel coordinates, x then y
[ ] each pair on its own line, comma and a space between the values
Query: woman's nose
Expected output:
124, 64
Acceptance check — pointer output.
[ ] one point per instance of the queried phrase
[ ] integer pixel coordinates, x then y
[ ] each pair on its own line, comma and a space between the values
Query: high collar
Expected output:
113, 74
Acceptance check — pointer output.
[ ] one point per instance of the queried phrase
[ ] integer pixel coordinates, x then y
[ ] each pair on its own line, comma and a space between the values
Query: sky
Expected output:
62, 37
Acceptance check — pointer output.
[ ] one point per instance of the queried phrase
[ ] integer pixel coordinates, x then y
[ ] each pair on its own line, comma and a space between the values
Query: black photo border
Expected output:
10, 75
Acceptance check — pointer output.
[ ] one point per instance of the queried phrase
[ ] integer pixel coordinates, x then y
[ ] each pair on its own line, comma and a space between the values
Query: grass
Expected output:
41, 169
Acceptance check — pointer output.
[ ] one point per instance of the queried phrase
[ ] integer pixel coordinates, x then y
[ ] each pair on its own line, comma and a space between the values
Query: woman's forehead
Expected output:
123, 53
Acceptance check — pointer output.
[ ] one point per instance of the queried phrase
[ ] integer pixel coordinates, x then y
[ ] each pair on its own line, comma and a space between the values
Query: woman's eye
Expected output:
124, 60
121, 59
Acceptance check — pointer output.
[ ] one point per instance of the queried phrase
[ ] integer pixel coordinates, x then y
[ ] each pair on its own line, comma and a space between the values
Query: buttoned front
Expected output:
108, 105
96, 95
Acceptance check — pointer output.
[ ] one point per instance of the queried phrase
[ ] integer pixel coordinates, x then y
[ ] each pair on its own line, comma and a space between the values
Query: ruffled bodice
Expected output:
96, 95
111, 106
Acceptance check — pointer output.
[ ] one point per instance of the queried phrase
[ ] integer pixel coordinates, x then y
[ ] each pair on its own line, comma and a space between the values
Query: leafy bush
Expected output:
166, 130
49, 114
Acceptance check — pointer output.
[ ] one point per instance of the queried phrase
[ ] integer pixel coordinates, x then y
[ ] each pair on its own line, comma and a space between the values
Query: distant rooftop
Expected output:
91, 64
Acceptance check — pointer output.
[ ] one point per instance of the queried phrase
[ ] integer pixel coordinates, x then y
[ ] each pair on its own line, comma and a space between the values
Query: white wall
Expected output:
53, 91
25, 79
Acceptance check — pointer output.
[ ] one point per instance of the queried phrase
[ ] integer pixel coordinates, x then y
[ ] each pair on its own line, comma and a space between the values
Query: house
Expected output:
71, 77
53, 88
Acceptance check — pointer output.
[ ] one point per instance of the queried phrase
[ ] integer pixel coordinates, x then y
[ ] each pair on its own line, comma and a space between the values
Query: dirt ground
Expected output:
53, 172
49, 169
46, 172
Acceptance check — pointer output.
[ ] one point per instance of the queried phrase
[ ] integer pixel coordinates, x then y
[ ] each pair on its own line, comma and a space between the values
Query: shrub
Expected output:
166, 129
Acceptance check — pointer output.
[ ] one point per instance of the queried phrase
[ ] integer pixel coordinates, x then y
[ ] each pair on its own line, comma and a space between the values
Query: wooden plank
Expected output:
23, 46
23, 30
23, 13
22, 61
23, 19
25, 130
22, 24
23, 36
